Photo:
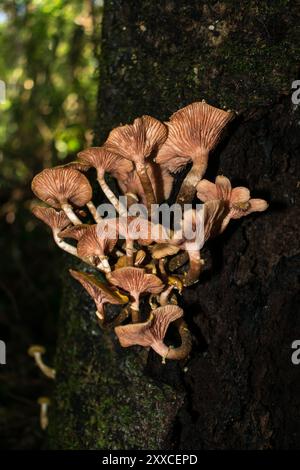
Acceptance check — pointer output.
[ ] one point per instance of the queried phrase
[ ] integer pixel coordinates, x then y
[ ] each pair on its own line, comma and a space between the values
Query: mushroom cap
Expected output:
57, 220
36, 348
193, 132
214, 213
150, 332
57, 186
105, 161
44, 401
141, 229
100, 292
199, 226
136, 280
161, 250
80, 166
75, 231
139, 257
138, 140
95, 242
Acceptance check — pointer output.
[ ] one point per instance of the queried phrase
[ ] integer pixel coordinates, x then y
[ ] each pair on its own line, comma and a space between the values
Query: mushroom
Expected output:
139, 257
193, 132
101, 293
75, 231
136, 281
161, 181
76, 166
237, 200
138, 229
203, 225
152, 332
94, 244
105, 161
44, 403
36, 351
136, 142
61, 187
57, 220
164, 296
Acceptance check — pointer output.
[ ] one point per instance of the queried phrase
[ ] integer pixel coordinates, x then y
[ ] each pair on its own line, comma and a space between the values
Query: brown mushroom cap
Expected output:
76, 166
44, 401
57, 186
36, 349
100, 292
57, 220
136, 280
137, 141
105, 161
94, 242
193, 130
161, 250
150, 332
75, 232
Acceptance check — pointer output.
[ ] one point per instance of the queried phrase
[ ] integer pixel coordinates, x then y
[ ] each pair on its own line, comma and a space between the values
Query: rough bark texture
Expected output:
239, 388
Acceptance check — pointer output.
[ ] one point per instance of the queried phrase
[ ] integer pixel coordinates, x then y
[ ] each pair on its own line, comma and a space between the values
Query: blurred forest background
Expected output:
49, 63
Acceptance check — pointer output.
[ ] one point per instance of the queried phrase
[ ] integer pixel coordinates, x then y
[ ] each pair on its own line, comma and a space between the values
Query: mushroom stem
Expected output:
141, 170
48, 371
135, 315
104, 265
194, 270
186, 342
188, 188
135, 308
120, 208
161, 265
225, 222
131, 199
93, 210
164, 296
129, 252
64, 245
44, 403
68, 209
167, 352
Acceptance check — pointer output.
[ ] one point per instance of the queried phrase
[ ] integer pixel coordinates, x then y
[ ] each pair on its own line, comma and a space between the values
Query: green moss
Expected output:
103, 399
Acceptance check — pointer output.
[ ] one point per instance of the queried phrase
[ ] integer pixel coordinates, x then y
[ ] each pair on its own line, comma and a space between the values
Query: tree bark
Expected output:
239, 387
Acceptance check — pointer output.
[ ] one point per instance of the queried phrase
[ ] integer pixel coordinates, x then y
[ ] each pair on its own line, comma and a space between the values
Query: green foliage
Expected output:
48, 62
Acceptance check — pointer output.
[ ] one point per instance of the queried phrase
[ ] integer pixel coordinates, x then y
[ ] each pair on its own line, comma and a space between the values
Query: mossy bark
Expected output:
239, 382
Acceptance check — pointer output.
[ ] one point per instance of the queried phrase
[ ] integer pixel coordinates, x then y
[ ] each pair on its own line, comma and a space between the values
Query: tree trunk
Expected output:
239, 387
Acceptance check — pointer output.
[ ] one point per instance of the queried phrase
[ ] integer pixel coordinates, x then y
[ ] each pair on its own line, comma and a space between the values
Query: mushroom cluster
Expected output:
144, 263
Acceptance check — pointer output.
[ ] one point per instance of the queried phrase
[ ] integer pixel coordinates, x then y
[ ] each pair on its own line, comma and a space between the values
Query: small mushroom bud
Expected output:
36, 351
44, 403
